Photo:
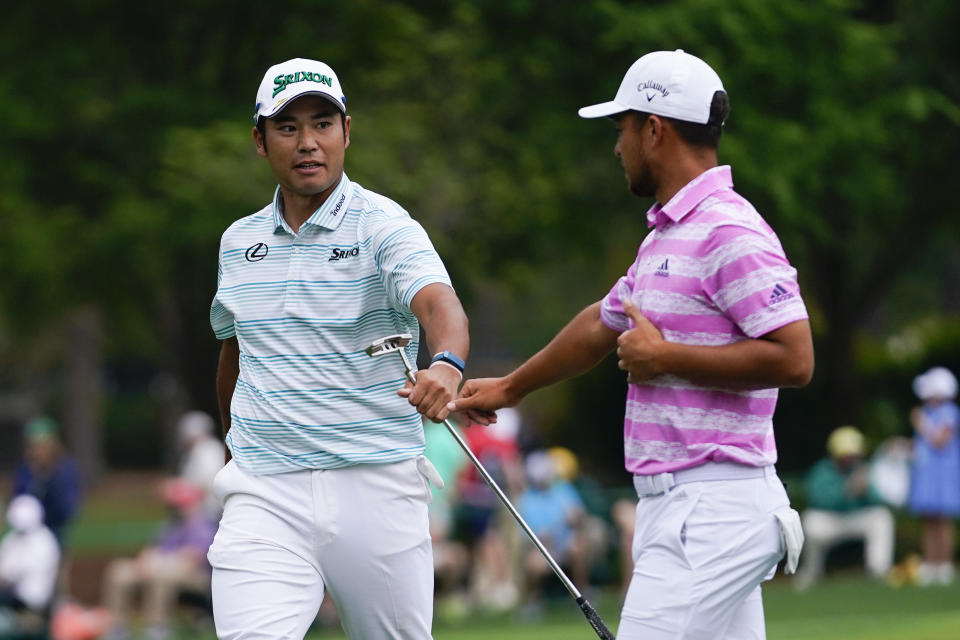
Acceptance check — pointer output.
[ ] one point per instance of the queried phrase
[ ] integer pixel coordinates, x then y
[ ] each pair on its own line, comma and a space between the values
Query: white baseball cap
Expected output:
938, 382
194, 424
25, 513
294, 78
673, 84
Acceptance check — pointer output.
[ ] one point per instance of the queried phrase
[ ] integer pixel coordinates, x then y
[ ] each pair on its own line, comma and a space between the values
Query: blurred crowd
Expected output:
851, 496
483, 561
46, 496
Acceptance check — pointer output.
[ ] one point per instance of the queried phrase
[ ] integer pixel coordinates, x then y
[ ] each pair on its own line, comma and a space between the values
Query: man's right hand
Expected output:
481, 397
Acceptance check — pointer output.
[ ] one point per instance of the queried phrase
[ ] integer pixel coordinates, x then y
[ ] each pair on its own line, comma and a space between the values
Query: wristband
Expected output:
451, 359
444, 363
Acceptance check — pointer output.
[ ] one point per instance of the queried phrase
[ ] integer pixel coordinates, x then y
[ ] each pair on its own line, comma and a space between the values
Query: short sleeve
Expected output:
611, 307
221, 319
749, 279
405, 257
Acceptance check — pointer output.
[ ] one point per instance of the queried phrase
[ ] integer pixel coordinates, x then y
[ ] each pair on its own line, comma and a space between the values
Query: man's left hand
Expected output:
639, 348
435, 387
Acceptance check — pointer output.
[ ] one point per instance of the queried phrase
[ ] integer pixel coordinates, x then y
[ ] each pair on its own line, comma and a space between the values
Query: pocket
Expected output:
686, 537
220, 486
671, 533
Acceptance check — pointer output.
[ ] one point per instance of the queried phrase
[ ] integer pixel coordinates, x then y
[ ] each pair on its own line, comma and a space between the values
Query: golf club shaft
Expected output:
592, 617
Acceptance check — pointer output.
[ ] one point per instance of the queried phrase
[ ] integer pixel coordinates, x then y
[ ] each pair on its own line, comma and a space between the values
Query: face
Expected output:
305, 145
846, 462
42, 452
633, 146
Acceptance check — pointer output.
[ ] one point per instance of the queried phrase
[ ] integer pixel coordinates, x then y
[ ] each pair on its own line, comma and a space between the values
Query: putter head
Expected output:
388, 344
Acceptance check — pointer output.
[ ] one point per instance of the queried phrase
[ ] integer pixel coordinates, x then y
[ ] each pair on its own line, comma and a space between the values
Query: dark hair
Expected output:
696, 134
705, 135
262, 127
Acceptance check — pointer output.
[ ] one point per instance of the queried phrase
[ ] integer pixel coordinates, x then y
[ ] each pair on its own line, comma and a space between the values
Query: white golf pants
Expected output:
700, 551
359, 534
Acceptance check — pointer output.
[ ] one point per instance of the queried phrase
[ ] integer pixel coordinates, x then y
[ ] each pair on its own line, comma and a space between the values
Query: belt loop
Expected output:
665, 482
654, 485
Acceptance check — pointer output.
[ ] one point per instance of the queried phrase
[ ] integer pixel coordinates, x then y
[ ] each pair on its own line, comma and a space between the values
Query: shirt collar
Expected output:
327, 216
692, 194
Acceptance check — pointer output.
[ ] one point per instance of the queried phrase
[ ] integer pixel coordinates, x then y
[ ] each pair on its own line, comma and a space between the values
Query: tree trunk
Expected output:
83, 395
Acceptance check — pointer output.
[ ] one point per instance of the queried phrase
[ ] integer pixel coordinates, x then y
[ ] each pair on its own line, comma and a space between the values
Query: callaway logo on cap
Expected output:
673, 84
294, 78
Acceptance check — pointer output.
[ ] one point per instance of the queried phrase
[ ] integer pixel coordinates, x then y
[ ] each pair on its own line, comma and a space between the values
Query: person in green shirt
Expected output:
842, 506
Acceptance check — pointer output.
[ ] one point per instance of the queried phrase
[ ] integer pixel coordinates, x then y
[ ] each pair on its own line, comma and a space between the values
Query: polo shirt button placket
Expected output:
290, 290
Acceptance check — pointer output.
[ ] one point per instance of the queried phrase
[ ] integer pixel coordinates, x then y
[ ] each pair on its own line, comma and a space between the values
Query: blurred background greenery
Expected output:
127, 152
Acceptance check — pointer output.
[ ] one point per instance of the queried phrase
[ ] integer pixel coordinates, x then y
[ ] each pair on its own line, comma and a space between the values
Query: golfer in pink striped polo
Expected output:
708, 323
711, 273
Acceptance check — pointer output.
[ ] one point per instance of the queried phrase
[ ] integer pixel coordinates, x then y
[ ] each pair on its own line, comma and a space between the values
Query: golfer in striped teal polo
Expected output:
327, 489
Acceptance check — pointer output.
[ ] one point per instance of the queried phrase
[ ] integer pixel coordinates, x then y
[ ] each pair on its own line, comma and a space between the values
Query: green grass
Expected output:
842, 608
120, 518
855, 609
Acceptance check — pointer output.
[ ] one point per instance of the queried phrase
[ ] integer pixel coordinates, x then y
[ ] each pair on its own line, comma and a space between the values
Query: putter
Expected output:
396, 343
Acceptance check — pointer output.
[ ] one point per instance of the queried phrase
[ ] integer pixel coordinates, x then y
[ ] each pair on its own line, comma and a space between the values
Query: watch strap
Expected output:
451, 359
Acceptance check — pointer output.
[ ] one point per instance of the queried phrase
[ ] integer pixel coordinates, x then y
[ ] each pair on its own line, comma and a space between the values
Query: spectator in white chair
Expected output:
842, 506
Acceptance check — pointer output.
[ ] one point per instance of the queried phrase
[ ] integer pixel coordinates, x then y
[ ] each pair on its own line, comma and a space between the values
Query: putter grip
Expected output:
594, 619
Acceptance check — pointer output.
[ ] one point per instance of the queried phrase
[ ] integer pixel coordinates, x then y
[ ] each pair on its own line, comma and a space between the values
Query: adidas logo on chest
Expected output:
664, 269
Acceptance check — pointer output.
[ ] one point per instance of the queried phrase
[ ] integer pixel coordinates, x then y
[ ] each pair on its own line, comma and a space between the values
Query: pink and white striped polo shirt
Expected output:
711, 272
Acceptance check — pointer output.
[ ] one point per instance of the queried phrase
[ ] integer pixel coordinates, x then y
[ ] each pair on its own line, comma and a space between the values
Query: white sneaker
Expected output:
503, 596
927, 574
118, 632
945, 572
159, 632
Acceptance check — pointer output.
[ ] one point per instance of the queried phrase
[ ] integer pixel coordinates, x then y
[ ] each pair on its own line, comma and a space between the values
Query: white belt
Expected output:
654, 485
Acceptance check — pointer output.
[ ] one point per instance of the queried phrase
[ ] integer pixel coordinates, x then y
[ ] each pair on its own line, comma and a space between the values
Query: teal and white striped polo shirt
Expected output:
303, 308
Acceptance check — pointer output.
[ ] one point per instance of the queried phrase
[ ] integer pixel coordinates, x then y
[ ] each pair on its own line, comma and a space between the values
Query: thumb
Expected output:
461, 402
631, 310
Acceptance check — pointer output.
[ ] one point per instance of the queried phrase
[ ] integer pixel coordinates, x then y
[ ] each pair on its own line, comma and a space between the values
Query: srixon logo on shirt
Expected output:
342, 254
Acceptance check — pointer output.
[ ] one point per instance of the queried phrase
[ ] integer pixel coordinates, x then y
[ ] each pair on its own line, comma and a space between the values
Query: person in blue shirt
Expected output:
553, 510
935, 477
50, 475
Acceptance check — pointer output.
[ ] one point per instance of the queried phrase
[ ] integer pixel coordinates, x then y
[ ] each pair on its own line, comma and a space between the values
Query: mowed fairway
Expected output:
118, 520
855, 609
842, 608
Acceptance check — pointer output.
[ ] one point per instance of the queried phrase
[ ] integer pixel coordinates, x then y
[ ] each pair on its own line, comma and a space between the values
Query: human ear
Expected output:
260, 142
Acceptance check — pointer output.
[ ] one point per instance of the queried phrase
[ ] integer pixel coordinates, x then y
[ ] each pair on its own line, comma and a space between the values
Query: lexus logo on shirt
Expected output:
257, 252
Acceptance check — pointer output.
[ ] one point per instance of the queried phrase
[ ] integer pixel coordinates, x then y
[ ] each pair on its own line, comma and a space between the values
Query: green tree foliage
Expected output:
128, 152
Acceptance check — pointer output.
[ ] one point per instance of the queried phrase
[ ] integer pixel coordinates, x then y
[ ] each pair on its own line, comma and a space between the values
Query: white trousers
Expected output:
359, 534
824, 529
700, 552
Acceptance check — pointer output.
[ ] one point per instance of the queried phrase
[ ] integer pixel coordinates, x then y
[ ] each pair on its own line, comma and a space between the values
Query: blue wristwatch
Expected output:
449, 358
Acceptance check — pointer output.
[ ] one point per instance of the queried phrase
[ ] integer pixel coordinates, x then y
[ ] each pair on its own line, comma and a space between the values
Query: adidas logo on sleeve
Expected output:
779, 294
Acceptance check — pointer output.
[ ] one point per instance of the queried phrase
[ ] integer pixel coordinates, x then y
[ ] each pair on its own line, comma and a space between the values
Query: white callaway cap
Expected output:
673, 84
294, 78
